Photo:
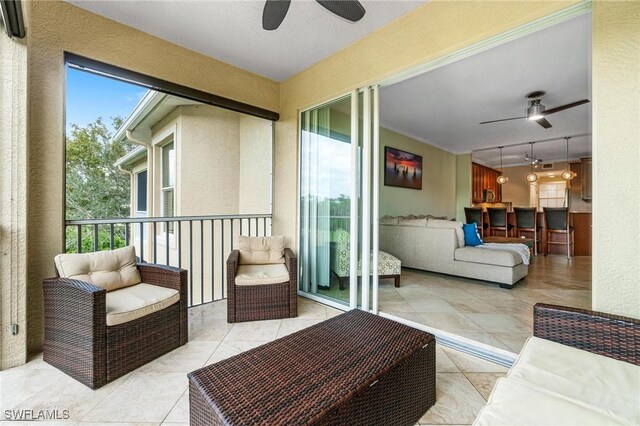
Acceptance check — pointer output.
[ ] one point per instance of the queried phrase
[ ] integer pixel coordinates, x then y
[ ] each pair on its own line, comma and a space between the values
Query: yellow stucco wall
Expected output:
54, 27
616, 157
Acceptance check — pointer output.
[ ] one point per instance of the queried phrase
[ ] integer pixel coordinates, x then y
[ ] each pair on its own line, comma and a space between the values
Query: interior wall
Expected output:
463, 184
54, 27
438, 194
616, 155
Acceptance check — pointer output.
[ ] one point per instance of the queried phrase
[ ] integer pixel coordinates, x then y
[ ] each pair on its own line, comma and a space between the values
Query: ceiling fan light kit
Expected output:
537, 112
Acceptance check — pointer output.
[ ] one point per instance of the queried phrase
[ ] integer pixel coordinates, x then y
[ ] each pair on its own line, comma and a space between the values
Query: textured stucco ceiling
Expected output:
443, 107
231, 31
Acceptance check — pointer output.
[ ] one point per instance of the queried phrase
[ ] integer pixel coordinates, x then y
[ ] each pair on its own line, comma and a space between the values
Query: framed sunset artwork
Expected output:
402, 169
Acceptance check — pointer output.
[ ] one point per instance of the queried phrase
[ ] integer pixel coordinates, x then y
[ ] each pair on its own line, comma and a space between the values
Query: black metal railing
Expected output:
200, 244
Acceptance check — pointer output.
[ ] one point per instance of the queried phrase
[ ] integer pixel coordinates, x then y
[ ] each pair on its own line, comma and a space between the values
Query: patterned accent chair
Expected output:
105, 315
388, 265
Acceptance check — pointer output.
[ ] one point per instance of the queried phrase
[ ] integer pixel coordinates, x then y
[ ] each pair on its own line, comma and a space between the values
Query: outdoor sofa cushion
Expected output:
262, 274
552, 384
487, 256
110, 270
130, 303
261, 250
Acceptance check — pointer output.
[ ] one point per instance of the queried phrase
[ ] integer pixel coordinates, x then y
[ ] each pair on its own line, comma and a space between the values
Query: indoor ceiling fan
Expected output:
275, 10
537, 112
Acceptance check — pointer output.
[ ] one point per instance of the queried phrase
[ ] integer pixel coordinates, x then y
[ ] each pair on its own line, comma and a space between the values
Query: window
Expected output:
141, 192
552, 194
168, 183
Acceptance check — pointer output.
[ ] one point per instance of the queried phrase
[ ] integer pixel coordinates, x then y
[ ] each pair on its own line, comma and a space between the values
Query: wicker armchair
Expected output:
262, 295
78, 340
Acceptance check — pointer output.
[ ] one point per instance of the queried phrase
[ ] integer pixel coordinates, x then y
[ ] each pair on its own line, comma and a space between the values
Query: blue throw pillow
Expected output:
471, 235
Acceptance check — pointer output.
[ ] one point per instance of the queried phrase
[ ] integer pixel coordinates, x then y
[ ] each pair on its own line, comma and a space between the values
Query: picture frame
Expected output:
402, 169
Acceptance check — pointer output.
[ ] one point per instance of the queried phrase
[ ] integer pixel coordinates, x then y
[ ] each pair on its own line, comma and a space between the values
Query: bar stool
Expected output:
527, 221
498, 220
557, 222
474, 215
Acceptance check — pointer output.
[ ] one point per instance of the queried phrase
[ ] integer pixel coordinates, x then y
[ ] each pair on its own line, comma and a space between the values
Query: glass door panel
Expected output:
326, 188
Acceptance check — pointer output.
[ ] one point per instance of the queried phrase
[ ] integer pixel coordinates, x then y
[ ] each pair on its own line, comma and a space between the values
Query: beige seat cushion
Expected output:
487, 256
513, 403
606, 385
261, 250
262, 274
110, 270
130, 303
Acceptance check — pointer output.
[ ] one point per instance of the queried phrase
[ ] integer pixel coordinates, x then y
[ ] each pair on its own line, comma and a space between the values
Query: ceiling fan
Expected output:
275, 10
537, 112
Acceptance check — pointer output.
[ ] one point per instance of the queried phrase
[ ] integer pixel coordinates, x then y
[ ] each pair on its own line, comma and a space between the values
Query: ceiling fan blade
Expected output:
544, 123
347, 9
563, 107
503, 119
273, 13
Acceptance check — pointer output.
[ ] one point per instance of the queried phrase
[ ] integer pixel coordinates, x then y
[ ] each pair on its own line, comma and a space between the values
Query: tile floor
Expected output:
483, 311
157, 392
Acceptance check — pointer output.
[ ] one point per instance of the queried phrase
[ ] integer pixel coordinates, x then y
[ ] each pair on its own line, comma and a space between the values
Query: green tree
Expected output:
95, 188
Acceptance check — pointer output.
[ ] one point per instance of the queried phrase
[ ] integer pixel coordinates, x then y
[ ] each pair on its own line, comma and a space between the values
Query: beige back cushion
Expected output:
448, 224
110, 270
261, 250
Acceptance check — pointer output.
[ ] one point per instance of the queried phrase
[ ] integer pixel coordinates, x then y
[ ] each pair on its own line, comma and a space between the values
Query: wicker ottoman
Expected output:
356, 368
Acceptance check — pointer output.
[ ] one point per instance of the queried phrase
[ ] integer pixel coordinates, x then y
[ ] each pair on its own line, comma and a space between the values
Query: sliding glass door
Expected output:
337, 201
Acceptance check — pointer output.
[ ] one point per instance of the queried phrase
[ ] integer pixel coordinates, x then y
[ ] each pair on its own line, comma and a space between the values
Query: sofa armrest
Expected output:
605, 334
170, 277
232, 268
75, 329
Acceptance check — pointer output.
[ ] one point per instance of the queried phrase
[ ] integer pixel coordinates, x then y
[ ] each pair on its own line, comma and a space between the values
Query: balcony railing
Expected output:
200, 244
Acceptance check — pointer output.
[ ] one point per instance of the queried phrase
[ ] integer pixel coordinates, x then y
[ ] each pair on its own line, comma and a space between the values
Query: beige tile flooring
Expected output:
157, 392
483, 311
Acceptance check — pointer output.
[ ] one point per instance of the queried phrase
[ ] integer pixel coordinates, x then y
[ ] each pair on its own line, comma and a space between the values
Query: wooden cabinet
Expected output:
586, 178
484, 178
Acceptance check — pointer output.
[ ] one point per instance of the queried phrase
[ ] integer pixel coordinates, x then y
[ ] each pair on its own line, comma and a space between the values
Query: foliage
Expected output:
95, 188
88, 235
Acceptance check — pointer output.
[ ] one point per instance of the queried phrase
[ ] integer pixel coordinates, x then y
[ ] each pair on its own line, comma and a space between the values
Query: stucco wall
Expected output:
254, 168
54, 27
13, 200
616, 157
438, 193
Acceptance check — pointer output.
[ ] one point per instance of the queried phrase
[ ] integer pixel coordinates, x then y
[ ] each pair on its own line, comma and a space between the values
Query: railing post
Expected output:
166, 240
111, 238
95, 237
79, 238
141, 242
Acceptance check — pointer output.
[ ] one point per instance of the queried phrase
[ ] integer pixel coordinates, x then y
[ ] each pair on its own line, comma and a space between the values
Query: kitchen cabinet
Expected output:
482, 178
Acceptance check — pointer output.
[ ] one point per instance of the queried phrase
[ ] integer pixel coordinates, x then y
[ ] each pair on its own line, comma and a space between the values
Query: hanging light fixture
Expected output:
531, 177
568, 174
502, 179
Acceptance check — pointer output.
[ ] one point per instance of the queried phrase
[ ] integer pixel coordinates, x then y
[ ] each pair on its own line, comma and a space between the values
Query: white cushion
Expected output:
130, 303
513, 403
110, 270
487, 256
262, 274
261, 250
388, 220
448, 224
606, 385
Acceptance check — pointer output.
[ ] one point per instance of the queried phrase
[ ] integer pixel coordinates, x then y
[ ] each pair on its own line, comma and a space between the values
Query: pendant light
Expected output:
502, 179
568, 174
531, 177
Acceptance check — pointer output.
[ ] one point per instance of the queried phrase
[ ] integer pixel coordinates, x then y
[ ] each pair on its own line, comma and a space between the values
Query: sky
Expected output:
90, 96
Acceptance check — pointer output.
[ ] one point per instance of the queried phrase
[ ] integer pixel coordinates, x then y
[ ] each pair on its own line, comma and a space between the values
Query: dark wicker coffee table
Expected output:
356, 368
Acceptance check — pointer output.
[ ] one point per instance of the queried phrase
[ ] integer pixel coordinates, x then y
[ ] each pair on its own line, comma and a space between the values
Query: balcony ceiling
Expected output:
444, 106
231, 31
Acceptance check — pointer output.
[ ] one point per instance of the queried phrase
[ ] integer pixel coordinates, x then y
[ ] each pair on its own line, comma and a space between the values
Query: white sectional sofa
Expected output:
438, 246
579, 368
